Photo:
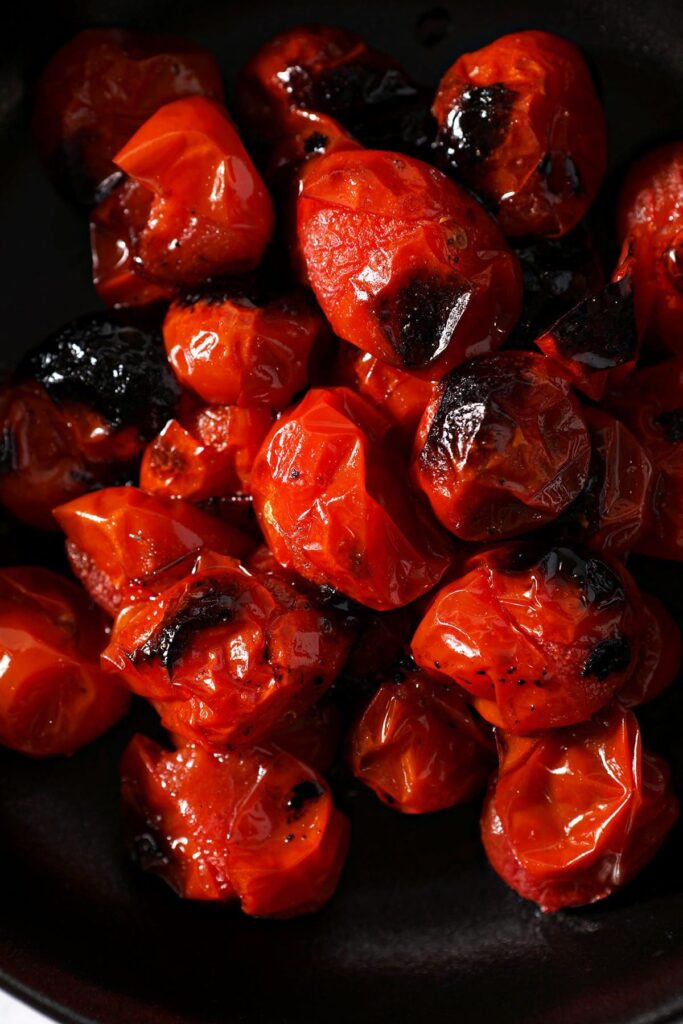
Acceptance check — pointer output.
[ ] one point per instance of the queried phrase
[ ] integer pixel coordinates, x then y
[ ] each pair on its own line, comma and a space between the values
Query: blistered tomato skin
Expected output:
254, 825
521, 124
334, 503
650, 224
503, 447
232, 343
226, 654
537, 636
419, 747
126, 546
576, 813
404, 263
97, 91
53, 696
659, 661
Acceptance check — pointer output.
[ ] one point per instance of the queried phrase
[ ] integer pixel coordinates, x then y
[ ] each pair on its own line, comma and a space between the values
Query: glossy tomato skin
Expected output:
575, 813
209, 454
97, 91
503, 447
233, 343
659, 660
53, 696
520, 122
225, 654
125, 545
254, 825
426, 279
538, 636
334, 503
418, 746
650, 223
651, 404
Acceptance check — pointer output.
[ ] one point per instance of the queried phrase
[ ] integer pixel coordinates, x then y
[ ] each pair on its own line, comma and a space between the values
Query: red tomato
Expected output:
537, 636
255, 825
332, 502
659, 661
503, 447
207, 455
99, 88
53, 696
125, 545
418, 747
233, 344
227, 654
312, 737
576, 813
651, 226
520, 122
404, 264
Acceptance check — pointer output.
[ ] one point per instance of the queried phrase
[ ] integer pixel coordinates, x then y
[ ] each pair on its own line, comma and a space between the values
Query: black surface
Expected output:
420, 928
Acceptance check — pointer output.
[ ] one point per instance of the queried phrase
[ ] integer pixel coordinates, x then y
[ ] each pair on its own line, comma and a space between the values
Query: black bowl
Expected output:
420, 927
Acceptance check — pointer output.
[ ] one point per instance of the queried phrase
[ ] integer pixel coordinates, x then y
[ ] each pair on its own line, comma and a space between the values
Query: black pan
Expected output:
421, 928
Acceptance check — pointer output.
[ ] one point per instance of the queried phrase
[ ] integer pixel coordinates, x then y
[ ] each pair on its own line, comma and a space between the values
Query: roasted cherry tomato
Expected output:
125, 545
651, 404
576, 813
312, 737
53, 696
233, 343
537, 636
503, 447
209, 454
309, 135
651, 225
226, 654
99, 88
520, 122
79, 413
253, 824
405, 264
334, 503
659, 661
419, 747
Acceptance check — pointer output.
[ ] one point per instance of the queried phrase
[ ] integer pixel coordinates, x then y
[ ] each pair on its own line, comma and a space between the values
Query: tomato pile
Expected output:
352, 465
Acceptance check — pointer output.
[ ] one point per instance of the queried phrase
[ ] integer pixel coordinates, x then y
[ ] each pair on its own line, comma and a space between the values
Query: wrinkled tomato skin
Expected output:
53, 697
97, 91
503, 447
207, 455
126, 546
334, 503
520, 122
651, 405
225, 655
426, 279
575, 813
659, 661
231, 345
254, 825
537, 636
419, 747
650, 223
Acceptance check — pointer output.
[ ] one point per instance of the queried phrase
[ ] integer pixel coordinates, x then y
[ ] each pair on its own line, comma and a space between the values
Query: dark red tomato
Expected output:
125, 545
226, 654
401, 396
309, 135
99, 88
503, 447
520, 122
232, 343
405, 264
334, 504
253, 824
209, 454
659, 661
418, 746
576, 813
651, 404
312, 737
651, 225
53, 696
609, 513
537, 636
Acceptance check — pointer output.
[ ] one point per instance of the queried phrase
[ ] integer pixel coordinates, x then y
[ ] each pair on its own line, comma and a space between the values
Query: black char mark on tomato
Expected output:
476, 125
600, 331
419, 316
672, 424
611, 655
598, 585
